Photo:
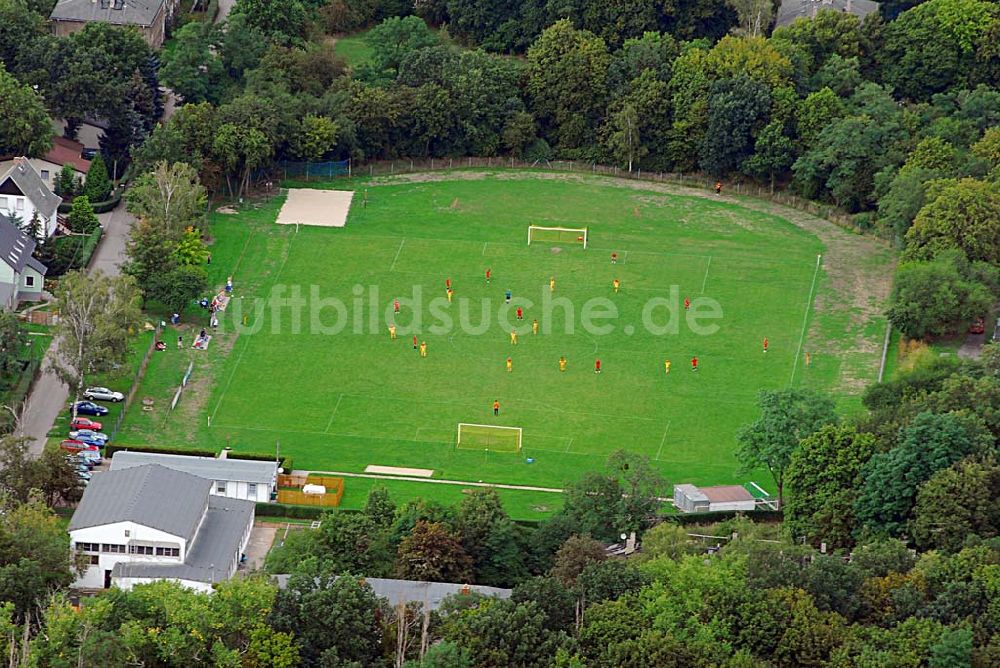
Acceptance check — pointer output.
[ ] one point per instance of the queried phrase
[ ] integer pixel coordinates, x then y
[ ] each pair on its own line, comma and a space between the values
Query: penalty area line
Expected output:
805, 319
396, 257
333, 414
704, 281
662, 441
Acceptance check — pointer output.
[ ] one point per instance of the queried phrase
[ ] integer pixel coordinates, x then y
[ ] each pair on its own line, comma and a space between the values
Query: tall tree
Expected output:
737, 110
97, 187
891, 479
169, 197
787, 417
956, 503
432, 552
334, 619
98, 315
567, 81
490, 538
958, 214
25, 128
822, 478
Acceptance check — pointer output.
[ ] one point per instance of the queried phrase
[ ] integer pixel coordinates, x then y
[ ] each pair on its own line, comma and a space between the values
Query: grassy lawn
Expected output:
119, 380
353, 49
341, 401
521, 505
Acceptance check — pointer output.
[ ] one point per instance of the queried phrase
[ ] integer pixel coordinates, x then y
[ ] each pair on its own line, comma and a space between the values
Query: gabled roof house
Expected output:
148, 523
21, 275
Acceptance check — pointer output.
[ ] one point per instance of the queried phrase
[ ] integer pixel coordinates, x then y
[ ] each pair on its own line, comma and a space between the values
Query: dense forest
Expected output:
894, 121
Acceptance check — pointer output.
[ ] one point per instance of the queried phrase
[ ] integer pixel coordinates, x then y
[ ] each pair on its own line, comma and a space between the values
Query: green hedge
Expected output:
99, 207
721, 516
66, 253
254, 456
291, 512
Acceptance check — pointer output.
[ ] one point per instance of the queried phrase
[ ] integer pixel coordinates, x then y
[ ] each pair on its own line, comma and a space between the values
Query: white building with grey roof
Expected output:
149, 523
249, 479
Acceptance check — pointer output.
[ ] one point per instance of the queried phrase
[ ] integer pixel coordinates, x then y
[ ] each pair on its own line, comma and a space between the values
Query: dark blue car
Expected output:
89, 408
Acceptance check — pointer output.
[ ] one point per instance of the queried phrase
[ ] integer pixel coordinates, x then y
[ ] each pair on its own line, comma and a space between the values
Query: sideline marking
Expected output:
805, 320
398, 251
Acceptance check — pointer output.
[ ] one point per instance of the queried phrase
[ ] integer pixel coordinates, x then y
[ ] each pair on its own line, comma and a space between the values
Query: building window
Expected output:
93, 559
113, 548
45, 174
19, 204
252, 489
88, 547
29, 281
3, 203
220, 487
140, 549
168, 552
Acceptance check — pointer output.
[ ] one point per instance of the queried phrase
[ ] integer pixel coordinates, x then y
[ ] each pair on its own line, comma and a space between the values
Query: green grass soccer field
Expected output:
342, 401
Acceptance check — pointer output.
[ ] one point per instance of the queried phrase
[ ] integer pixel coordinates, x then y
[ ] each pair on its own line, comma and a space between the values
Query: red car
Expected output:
84, 423
72, 445
978, 327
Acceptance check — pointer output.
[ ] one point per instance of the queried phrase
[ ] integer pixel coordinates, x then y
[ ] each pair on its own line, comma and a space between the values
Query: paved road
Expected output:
49, 395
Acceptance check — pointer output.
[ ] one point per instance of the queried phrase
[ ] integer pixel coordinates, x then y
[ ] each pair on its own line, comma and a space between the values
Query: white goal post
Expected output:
489, 437
558, 234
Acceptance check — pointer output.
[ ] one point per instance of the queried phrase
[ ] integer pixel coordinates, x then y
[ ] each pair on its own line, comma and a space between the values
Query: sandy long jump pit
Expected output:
323, 208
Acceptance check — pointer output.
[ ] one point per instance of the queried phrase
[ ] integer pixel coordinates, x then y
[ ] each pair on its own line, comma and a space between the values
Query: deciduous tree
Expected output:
787, 417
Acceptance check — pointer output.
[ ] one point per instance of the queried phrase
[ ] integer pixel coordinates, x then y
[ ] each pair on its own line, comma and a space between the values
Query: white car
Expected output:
102, 394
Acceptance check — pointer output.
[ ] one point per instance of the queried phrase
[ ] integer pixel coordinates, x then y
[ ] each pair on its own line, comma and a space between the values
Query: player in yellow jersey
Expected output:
562, 363
666, 366
510, 365
513, 337
552, 284
423, 349
392, 331
534, 326
616, 284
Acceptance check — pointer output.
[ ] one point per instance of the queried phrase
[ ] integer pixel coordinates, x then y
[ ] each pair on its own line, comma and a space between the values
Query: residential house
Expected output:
150, 17
21, 275
63, 152
234, 478
149, 523
23, 193
691, 499
791, 10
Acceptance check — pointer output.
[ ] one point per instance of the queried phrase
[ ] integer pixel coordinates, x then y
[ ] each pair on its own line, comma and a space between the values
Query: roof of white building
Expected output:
208, 560
431, 594
152, 496
210, 468
32, 186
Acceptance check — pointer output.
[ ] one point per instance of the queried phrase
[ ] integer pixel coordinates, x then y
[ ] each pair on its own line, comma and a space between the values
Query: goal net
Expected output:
557, 235
489, 437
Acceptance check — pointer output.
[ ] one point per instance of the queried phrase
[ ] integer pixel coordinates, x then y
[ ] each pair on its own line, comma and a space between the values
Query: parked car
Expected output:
83, 475
89, 439
102, 394
92, 456
85, 423
74, 446
89, 408
996, 331
76, 460
977, 327
90, 436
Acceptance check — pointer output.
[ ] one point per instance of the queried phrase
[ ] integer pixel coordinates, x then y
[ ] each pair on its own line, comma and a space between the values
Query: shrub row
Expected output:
99, 207
291, 512
722, 515
286, 462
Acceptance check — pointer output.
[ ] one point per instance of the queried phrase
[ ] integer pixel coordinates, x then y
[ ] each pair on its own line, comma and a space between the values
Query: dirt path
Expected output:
848, 305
